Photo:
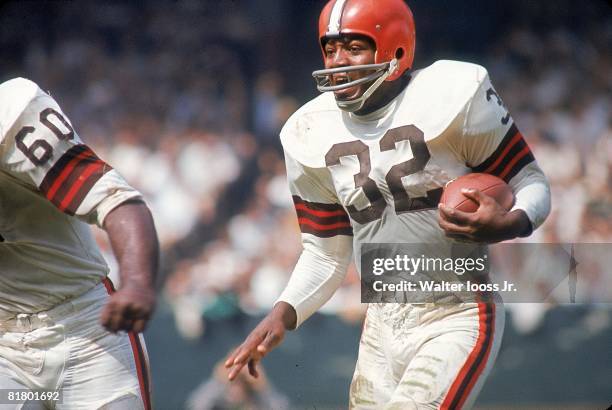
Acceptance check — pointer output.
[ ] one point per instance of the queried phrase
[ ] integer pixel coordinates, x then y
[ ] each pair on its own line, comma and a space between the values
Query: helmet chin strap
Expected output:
357, 103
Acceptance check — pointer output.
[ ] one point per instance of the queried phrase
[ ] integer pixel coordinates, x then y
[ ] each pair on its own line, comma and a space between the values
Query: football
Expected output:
486, 183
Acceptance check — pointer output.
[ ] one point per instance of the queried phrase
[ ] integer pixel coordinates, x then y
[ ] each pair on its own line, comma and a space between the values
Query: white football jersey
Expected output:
379, 177
51, 186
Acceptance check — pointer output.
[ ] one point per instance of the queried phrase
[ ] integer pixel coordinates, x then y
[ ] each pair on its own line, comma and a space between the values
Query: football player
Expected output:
366, 162
61, 322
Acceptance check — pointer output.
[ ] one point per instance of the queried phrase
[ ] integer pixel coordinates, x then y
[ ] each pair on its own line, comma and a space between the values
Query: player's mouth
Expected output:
341, 79
346, 93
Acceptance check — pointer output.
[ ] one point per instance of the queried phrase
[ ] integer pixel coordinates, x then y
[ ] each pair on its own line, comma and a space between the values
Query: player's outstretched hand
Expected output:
268, 334
128, 309
489, 224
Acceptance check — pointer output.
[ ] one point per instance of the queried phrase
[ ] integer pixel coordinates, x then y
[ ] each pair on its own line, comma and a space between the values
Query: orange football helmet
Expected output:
388, 23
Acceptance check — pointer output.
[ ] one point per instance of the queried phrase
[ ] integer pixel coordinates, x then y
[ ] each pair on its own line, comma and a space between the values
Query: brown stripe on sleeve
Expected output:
54, 173
322, 220
334, 218
518, 162
79, 191
493, 160
335, 230
73, 177
511, 155
69, 180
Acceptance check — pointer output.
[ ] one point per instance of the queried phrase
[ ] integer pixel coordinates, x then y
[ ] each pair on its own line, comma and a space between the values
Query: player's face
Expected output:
349, 51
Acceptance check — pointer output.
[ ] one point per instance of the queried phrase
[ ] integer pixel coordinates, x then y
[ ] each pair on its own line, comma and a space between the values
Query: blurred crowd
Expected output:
558, 87
184, 100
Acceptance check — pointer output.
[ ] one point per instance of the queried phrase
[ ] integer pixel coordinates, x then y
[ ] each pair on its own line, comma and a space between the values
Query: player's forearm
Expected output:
134, 241
317, 275
532, 194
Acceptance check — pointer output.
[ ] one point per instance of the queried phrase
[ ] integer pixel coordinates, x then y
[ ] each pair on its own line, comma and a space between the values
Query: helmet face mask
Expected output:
388, 24
377, 74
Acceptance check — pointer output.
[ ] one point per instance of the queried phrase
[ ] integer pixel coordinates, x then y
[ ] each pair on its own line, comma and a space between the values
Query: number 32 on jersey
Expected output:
402, 202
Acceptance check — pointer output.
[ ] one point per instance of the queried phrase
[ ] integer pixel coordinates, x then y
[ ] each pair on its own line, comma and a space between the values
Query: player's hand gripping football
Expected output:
129, 309
268, 334
490, 223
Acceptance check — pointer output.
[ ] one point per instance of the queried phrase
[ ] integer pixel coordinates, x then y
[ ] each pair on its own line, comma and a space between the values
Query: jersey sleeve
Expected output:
326, 240
491, 143
42, 150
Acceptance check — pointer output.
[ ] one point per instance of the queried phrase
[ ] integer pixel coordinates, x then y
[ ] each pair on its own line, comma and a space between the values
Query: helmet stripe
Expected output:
333, 28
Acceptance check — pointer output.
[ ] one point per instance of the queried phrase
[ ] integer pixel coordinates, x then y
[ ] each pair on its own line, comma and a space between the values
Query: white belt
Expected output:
27, 322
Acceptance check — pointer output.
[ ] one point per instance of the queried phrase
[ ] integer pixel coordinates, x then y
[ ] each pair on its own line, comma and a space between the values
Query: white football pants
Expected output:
425, 356
67, 350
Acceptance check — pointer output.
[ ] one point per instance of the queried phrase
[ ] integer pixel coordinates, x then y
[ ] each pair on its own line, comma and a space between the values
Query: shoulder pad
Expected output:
309, 133
15, 95
438, 94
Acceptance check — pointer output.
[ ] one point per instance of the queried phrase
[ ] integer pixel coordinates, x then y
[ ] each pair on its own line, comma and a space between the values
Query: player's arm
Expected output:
320, 270
41, 148
490, 142
133, 238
